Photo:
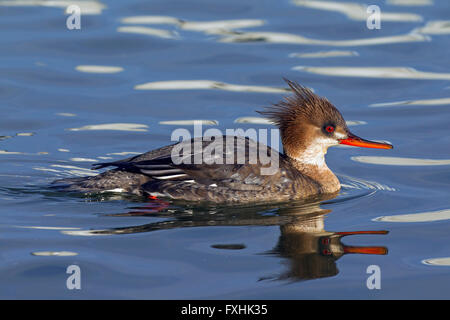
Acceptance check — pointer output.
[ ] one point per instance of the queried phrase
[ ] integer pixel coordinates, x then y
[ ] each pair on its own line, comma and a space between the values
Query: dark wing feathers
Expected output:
158, 165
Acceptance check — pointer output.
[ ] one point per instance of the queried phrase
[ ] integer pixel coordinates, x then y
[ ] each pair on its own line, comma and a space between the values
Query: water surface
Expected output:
137, 70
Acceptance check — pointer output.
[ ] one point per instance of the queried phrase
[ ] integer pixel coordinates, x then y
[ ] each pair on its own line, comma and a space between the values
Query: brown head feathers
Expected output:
304, 107
303, 117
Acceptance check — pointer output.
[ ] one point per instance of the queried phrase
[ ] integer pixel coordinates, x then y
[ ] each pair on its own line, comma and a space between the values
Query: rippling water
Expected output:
139, 69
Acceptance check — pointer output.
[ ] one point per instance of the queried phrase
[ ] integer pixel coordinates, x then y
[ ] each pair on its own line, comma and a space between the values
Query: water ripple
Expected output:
54, 253
435, 27
426, 102
375, 72
355, 11
113, 126
253, 120
361, 184
98, 69
417, 217
160, 33
206, 84
228, 30
87, 6
437, 261
208, 27
410, 2
325, 54
6, 152
397, 161
68, 170
277, 37
190, 122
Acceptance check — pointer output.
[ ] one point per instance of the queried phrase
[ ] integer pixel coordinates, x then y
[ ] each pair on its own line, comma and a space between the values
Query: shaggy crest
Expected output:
303, 106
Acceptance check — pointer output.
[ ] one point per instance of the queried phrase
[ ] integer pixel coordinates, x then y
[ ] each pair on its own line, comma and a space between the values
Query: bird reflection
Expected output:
310, 251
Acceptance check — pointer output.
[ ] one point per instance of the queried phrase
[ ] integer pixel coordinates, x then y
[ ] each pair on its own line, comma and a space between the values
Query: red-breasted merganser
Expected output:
308, 125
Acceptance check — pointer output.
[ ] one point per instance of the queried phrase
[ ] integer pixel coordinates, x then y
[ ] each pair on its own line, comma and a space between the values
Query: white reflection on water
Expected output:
113, 126
124, 153
165, 34
206, 84
208, 27
277, 37
10, 152
355, 122
190, 122
46, 169
213, 27
86, 233
66, 114
83, 160
324, 54
375, 72
435, 27
54, 253
227, 29
68, 170
6, 152
417, 217
25, 134
99, 69
253, 120
356, 11
397, 161
19, 134
427, 102
437, 261
86, 6
151, 20
410, 2
47, 228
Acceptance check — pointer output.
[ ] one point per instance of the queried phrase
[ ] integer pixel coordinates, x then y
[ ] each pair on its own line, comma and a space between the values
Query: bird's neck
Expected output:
311, 162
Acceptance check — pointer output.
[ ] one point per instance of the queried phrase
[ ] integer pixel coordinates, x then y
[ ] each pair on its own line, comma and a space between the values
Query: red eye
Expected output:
329, 129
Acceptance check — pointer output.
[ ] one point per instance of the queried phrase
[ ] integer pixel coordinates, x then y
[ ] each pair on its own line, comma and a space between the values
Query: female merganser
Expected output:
308, 125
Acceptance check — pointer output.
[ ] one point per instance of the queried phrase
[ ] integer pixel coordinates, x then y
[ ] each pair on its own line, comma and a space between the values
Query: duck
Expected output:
228, 173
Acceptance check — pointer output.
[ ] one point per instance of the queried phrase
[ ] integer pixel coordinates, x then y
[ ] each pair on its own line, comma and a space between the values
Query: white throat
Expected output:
314, 154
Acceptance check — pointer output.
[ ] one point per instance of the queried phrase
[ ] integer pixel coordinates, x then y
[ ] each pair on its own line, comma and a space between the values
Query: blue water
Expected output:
127, 247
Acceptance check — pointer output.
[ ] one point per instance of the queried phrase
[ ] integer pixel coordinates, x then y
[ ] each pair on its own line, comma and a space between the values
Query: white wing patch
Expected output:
170, 177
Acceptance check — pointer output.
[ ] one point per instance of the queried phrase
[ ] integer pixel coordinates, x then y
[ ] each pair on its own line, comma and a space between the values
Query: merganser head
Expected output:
310, 124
